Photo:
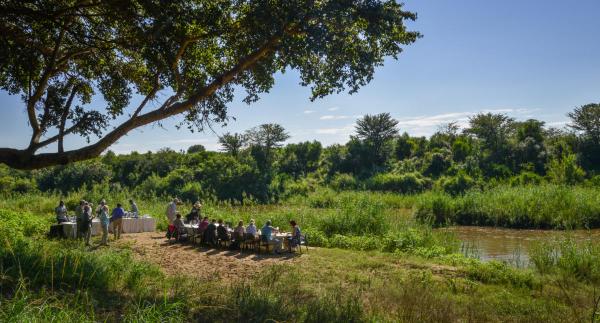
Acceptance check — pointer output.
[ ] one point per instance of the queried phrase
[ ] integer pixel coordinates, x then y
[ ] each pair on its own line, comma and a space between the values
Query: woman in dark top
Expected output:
210, 234
222, 232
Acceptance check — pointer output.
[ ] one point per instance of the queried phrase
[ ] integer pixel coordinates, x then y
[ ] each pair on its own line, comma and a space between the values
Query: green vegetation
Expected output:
538, 206
46, 280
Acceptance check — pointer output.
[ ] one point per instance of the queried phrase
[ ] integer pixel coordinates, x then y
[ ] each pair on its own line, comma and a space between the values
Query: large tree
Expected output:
375, 131
232, 143
178, 57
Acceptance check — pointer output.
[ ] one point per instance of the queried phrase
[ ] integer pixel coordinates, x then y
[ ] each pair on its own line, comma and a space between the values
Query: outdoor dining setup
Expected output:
223, 234
86, 223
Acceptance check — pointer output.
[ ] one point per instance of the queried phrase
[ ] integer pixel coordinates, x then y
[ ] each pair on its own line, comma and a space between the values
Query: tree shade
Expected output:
186, 57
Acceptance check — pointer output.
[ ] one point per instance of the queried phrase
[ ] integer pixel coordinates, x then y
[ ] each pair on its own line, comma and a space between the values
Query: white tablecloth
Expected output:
191, 229
70, 229
135, 225
130, 225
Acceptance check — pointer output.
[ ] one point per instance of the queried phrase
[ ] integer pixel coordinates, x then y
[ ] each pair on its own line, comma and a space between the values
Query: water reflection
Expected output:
511, 245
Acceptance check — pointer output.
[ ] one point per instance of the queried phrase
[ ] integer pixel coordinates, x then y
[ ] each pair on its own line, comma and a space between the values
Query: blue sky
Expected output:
527, 58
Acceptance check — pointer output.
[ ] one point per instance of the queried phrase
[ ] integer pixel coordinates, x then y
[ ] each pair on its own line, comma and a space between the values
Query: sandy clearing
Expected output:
195, 261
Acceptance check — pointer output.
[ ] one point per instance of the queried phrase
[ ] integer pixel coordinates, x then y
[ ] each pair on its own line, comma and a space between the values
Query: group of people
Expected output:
213, 231
84, 217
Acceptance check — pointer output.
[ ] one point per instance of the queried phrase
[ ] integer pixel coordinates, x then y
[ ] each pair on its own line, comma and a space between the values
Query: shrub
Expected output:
526, 178
340, 182
566, 170
457, 184
435, 209
405, 183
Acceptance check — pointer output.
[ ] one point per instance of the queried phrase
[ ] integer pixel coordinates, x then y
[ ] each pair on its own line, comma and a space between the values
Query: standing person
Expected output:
104, 221
267, 235
61, 213
194, 214
117, 220
79, 218
134, 208
86, 223
172, 210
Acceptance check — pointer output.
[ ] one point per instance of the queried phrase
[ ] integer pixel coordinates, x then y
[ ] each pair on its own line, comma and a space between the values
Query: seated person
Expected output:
203, 225
238, 235
222, 232
179, 226
61, 213
239, 231
210, 234
194, 214
267, 236
251, 230
294, 239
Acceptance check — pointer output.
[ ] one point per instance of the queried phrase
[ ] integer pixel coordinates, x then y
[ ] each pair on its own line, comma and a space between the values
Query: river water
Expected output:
511, 245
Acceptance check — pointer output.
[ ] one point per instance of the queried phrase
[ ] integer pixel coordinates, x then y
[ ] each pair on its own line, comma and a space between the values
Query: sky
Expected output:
524, 58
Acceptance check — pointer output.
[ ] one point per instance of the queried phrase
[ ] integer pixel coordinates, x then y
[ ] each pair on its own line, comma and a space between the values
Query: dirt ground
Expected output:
196, 261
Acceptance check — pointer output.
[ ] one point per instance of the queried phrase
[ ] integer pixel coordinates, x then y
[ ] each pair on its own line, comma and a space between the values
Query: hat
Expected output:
197, 204
268, 222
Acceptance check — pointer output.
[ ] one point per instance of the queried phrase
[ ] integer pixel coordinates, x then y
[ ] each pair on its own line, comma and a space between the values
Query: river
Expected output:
511, 245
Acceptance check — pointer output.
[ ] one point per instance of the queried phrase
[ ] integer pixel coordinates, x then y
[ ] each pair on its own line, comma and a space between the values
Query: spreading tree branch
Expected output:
25, 159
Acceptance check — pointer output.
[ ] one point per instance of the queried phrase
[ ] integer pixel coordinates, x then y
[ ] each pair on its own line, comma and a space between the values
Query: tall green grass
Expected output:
539, 207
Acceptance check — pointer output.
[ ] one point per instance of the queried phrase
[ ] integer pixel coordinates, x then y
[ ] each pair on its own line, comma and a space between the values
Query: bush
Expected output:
457, 184
435, 209
566, 170
526, 178
408, 183
341, 182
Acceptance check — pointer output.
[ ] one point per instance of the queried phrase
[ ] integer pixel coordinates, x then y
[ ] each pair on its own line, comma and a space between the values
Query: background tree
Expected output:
493, 132
586, 121
196, 149
301, 159
263, 139
377, 130
193, 53
232, 143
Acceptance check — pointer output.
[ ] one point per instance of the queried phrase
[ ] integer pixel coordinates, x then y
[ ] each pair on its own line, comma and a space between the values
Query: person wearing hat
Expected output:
101, 205
267, 235
194, 214
172, 210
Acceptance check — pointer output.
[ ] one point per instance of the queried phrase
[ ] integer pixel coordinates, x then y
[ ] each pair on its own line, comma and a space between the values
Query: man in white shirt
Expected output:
172, 210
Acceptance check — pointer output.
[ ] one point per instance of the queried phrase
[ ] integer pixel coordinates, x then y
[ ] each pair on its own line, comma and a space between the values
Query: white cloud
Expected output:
309, 111
427, 125
333, 109
334, 117
347, 130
